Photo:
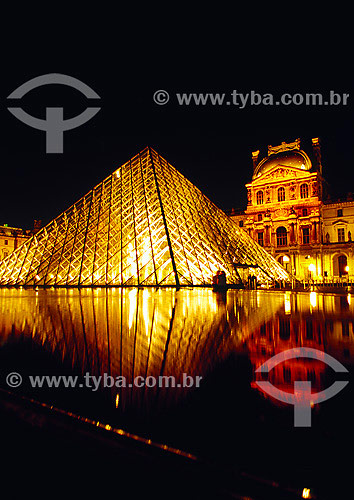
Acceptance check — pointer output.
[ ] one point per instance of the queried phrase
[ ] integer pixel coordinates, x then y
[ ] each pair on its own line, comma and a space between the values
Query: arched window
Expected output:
342, 265
259, 197
282, 237
304, 191
281, 194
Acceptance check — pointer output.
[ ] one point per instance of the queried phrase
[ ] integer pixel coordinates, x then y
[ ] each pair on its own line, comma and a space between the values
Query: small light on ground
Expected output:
306, 493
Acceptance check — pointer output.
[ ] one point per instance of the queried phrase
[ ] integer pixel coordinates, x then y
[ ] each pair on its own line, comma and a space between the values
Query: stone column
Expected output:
266, 236
313, 233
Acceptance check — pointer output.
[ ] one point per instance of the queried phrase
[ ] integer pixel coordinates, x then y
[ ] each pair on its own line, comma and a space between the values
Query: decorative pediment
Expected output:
340, 221
282, 212
282, 172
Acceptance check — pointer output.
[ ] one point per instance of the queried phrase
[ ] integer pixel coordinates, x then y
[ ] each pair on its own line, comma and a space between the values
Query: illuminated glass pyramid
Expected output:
145, 224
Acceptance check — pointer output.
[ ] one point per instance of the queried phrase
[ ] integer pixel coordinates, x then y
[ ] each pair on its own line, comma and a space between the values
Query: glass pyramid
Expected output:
145, 224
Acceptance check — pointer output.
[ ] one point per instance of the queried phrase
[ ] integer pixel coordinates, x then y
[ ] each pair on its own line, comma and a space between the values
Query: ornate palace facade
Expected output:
13, 237
287, 215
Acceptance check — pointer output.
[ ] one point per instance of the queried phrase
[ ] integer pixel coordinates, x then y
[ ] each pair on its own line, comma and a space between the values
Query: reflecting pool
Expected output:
123, 335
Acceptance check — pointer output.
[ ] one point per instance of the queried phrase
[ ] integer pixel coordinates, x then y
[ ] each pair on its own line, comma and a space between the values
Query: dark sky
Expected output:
211, 145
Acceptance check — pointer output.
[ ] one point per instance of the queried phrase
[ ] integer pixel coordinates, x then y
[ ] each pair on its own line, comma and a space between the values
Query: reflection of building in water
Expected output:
322, 322
163, 332
134, 332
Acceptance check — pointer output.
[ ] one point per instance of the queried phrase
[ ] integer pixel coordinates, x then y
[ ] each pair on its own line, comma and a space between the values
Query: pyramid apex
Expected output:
143, 225
146, 150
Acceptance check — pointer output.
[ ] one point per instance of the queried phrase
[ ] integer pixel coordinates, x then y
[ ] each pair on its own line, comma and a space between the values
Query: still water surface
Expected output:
222, 338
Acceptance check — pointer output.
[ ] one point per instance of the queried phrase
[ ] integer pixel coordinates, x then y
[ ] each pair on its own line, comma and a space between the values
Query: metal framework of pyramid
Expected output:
145, 224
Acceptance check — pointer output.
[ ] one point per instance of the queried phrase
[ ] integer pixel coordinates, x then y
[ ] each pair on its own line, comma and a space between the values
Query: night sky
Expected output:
210, 145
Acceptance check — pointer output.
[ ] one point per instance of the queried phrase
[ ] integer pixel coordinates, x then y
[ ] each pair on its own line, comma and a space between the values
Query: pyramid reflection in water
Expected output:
145, 224
132, 333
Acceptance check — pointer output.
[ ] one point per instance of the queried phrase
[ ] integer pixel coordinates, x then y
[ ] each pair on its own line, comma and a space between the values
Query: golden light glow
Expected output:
132, 306
313, 299
145, 224
183, 325
286, 258
346, 269
306, 493
146, 296
287, 304
312, 268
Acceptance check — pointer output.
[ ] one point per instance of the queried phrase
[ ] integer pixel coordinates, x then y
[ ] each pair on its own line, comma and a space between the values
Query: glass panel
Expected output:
145, 224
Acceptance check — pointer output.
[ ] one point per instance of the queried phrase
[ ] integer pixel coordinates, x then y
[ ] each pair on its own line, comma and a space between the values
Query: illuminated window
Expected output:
305, 235
260, 239
260, 217
342, 265
6, 242
339, 212
282, 239
304, 191
259, 197
281, 194
304, 212
341, 234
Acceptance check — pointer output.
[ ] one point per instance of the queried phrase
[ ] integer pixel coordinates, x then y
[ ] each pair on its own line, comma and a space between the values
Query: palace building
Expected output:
288, 213
10, 239
13, 237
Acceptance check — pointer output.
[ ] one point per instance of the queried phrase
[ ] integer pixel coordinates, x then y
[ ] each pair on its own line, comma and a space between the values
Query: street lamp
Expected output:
312, 268
346, 269
286, 261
